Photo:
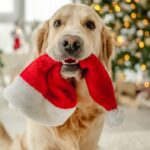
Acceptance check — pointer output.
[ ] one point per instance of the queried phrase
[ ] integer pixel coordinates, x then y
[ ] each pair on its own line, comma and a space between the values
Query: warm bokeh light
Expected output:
145, 22
133, 15
126, 57
120, 40
146, 84
126, 24
143, 67
97, 7
141, 44
132, 6
128, 1
117, 8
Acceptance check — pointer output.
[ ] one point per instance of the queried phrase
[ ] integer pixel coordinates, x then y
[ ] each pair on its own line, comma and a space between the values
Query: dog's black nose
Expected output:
71, 43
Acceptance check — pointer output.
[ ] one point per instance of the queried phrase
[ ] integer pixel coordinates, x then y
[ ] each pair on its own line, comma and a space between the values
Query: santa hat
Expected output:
43, 95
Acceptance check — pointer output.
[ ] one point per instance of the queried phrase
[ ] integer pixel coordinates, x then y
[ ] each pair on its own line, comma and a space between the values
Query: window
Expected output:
12, 10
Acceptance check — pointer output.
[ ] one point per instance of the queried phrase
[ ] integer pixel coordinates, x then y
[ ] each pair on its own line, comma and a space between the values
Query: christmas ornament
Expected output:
44, 96
17, 43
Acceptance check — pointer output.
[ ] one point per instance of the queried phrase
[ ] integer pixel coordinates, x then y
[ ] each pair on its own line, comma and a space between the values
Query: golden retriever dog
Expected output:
73, 27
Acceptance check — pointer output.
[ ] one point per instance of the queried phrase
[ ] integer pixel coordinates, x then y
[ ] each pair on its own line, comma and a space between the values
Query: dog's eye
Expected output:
57, 23
90, 25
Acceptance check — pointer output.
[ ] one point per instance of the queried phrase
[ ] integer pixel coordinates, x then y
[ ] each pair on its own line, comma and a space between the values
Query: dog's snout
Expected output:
71, 43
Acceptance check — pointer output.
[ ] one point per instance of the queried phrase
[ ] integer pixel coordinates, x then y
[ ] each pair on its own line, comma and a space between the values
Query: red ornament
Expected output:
17, 43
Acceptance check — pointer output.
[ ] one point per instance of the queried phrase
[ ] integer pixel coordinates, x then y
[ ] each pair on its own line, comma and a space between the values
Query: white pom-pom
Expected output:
115, 117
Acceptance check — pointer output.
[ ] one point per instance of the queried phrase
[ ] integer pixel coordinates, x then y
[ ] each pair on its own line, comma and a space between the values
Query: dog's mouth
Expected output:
70, 64
71, 69
70, 61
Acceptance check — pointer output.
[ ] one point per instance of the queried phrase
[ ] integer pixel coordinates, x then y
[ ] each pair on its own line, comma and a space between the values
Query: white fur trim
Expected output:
31, 103
115, 117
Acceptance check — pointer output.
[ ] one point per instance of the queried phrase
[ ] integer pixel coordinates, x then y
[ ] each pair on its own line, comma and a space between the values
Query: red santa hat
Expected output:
44, 96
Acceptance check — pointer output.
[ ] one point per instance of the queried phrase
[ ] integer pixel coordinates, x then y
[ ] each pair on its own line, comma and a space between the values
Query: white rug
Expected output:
133, 134
137, 140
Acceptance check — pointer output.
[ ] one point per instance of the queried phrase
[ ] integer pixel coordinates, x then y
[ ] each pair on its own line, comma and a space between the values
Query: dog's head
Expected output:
73, 33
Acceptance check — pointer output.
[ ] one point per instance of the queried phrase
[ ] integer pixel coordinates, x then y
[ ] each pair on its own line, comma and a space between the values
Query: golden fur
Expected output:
84, 127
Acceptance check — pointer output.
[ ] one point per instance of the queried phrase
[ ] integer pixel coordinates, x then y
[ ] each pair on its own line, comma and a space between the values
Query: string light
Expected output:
126, 57
132, 6
146, 84
133, 15
114, 3
117, 8
128, 1
140, 32
127, 24
145, 22
97, 7
120, 40
143, 67
141, 44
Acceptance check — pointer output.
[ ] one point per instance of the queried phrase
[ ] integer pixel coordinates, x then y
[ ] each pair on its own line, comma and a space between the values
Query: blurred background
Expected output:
130, 23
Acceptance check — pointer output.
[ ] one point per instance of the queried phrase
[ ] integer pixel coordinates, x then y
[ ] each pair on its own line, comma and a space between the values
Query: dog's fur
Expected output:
82, 130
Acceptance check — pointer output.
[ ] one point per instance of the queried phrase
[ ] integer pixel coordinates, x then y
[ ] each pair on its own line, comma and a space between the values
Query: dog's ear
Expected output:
108, 46
41, 38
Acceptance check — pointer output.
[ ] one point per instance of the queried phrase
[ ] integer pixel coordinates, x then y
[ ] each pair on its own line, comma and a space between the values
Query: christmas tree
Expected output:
130, 21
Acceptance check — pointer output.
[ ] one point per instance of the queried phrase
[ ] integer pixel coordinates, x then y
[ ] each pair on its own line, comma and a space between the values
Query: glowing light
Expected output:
140, 32
146, 33
141, 44
120, 39
136, 1
114, 3
143, 67
117, 8
146, 84
145, 22
126, 57
97, 7
132, 6
133, 15
128, 1
126, 24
